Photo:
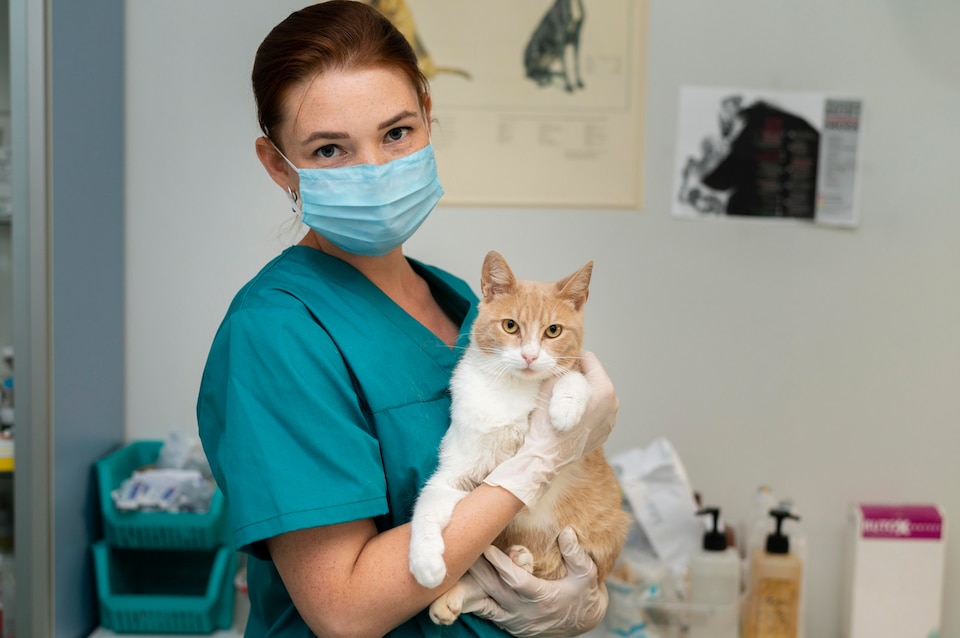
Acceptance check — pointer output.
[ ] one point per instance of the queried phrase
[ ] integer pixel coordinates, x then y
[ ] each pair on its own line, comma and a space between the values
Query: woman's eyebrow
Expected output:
325, 135
396, 118
336, 135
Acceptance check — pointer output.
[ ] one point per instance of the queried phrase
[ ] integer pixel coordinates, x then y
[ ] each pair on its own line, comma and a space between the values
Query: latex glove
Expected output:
545, 450
524, 605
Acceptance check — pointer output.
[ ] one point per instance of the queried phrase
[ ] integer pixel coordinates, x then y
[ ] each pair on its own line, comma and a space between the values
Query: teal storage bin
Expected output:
154, 530
164, 591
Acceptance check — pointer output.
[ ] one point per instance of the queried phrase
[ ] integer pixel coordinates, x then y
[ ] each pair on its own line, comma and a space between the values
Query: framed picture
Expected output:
535, 103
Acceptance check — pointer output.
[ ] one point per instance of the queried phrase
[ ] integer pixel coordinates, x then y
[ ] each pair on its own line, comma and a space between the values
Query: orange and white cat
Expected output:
525, 332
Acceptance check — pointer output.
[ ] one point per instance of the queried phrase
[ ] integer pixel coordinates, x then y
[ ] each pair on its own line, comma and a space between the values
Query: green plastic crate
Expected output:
164, 591
154, 530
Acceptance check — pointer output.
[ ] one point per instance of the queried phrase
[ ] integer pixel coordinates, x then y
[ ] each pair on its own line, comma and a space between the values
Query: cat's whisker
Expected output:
503, 371
557, 371
496, 368
542, 401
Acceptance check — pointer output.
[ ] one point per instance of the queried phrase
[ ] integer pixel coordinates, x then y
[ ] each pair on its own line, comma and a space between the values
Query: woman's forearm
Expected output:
348, 580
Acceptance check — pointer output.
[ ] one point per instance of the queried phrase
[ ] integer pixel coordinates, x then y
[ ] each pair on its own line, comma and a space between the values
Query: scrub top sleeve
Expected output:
284, 429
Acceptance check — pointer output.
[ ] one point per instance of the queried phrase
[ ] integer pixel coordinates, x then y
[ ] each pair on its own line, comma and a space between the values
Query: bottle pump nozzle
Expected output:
778, 542
713, 539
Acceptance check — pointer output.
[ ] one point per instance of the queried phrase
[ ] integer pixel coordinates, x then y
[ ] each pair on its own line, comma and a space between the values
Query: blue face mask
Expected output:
369, 209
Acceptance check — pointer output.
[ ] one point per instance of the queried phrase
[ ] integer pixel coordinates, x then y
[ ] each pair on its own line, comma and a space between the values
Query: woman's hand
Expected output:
524, 605
601, 413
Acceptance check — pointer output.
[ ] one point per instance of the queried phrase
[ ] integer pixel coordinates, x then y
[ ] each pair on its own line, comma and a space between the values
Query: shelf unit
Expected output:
67, 259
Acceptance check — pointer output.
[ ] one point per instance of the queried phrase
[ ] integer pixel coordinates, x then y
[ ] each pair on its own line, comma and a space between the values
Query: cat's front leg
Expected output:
462, 598
431, 515
522, 557
569, 400
465, 596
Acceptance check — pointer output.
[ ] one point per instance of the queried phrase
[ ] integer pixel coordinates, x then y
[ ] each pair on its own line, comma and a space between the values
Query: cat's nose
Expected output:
529, 356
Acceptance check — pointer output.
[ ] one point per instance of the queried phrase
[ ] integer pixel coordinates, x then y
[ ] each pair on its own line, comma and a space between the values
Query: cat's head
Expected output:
533, 329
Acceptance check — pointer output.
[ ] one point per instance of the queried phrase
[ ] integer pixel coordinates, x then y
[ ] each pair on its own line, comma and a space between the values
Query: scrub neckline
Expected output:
444, 294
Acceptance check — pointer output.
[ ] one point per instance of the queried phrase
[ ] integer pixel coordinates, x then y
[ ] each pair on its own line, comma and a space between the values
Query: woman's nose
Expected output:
373, 155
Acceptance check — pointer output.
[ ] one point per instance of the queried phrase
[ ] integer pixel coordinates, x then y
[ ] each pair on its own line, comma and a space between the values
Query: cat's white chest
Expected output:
485, 402
489, 418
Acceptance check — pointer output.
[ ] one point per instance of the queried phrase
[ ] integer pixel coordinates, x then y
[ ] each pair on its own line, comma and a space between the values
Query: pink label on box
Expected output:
901, 521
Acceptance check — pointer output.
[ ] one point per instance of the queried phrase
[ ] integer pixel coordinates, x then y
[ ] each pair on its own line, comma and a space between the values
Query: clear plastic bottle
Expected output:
757, 524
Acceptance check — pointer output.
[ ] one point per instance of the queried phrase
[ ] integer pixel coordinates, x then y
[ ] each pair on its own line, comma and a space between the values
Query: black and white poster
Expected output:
767, 154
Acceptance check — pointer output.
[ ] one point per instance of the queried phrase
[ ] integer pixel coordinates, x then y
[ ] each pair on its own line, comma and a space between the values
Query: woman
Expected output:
324, 397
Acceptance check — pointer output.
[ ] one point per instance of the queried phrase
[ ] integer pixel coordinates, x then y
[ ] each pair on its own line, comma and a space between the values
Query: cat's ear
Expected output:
576, 287
496, 278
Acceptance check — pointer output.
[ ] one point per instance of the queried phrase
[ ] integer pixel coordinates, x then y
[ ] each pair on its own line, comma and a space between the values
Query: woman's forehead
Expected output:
349, 98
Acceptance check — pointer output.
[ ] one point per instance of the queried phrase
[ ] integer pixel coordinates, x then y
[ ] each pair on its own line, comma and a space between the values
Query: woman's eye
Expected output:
553, 331
397, 134
328, 152
510, 326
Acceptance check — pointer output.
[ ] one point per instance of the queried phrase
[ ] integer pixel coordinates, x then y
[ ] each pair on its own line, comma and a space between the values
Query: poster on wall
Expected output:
535, 103
767, 154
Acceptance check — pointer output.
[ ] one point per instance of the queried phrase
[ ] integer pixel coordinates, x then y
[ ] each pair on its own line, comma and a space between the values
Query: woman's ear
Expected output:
276, 166
428, 111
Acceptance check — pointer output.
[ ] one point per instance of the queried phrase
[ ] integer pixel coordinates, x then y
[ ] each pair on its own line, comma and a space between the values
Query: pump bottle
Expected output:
754, 530
714, 574
773, 606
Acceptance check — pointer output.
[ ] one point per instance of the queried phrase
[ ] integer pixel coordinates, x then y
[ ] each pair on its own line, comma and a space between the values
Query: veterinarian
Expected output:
324, 396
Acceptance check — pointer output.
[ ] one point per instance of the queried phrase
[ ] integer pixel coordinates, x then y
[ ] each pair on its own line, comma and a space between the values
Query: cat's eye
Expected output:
553, 331
510, 326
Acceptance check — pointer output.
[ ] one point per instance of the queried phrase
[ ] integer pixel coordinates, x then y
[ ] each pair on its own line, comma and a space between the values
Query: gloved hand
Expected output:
524, 605
545, 450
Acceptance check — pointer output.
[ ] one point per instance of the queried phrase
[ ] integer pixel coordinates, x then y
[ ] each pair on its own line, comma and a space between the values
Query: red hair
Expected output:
338, 34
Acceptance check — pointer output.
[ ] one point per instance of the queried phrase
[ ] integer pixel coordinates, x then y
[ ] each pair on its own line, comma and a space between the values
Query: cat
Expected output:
399, 13
525, 332
556, 38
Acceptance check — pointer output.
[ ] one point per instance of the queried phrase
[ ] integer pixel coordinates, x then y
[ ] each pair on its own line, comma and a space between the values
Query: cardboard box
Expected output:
895, 562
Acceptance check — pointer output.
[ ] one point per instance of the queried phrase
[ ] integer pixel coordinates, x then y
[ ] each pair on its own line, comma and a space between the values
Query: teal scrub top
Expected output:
322, 402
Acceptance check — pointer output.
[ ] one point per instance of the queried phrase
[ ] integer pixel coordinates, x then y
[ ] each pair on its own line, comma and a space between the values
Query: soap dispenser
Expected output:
714, 574
773, 606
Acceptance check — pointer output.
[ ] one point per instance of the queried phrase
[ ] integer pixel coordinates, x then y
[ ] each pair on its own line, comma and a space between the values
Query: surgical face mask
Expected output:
369, 209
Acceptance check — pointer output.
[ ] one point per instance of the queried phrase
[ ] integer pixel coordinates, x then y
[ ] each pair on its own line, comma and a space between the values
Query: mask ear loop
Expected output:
294, 198
292, 195
429, 128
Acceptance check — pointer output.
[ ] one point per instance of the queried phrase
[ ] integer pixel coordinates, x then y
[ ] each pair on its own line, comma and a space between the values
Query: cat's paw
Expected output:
428, 567
569, 400
521, 557
446, 609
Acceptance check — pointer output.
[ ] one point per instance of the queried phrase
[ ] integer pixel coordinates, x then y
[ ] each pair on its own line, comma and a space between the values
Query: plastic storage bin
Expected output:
631, 614
167, 592
154, 530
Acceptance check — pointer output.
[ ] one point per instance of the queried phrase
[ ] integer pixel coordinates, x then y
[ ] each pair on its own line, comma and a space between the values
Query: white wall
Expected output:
825, 362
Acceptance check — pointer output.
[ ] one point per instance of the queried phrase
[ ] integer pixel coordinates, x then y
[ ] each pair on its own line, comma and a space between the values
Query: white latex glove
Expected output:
524, 605
545, 450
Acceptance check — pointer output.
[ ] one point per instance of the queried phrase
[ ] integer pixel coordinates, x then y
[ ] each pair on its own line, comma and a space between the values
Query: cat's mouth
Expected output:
530, 370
